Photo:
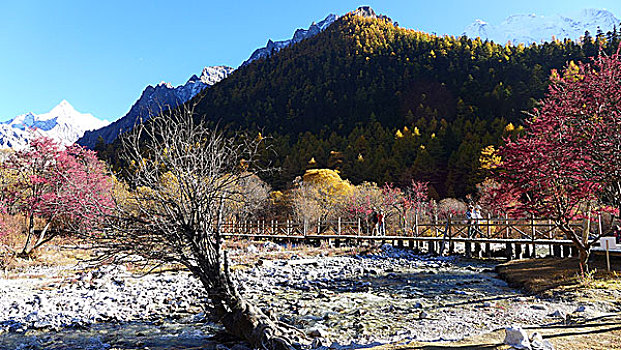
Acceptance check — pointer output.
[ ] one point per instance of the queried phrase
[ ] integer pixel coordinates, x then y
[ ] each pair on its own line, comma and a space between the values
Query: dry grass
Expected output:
537, 276
59, 251
289, 250
596, 334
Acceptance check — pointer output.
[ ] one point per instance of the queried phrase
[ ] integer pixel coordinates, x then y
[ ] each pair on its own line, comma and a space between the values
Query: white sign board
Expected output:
612, 244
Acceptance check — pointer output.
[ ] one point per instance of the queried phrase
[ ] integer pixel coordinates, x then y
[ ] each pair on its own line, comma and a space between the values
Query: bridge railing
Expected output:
454, 227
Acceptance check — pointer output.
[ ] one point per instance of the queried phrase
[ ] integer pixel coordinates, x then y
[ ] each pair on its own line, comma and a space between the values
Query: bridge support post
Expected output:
566, 251
527, 250
431, 247
400, 243
488, 250
477, 250
468, 248
518, 251
556, 250
509, 250
574, 251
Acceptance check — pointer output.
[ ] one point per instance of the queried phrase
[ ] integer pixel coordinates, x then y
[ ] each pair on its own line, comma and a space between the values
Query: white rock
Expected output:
537, 342
517, 338
559, 314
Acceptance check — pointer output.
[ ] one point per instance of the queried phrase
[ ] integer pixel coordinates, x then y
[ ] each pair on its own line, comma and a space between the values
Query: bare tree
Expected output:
181, 178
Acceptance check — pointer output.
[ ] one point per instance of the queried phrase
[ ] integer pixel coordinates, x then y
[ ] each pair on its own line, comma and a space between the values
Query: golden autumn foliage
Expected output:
327, 180
319, 193
489, 158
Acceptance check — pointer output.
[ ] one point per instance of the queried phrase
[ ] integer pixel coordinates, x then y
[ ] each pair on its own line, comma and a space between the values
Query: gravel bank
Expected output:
383, 298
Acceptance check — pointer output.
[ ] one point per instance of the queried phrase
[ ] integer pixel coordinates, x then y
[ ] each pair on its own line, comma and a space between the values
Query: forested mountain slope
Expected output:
387, 104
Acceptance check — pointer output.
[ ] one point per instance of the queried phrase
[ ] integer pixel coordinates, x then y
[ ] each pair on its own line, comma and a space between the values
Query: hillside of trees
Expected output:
387, 104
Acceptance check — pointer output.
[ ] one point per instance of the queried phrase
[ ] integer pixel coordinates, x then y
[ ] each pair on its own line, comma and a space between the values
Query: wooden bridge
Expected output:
498, 237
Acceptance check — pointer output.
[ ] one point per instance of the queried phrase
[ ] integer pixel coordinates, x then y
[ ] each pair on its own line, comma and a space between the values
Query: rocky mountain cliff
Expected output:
167, 96
299, 35
153, 100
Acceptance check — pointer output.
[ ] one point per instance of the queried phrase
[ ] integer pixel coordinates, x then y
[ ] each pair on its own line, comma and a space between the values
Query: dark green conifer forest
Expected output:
388, 104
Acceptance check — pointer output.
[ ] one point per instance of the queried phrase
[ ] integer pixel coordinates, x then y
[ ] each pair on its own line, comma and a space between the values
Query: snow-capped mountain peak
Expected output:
533, 28
165, 95
63, 124
63, 108
213, 74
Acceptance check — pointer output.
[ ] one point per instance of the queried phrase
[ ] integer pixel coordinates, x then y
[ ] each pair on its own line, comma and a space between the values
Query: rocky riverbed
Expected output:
386, 297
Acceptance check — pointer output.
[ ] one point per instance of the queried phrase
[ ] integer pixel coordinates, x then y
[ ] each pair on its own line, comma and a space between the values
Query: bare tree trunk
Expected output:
584, 248
42, 238
189, 176
584, 258
26, 251
242, 319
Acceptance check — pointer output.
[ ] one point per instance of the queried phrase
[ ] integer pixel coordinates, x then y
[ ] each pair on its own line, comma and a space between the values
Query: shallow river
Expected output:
134, 335
390, 297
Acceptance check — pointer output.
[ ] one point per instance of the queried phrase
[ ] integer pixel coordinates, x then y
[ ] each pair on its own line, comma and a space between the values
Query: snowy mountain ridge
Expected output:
63, 124
155, 98
299, 35
532, 28
164, 94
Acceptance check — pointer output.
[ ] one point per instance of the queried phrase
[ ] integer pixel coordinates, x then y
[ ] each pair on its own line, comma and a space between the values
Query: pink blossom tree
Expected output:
418, 195
497, 199
568, 163
67, 189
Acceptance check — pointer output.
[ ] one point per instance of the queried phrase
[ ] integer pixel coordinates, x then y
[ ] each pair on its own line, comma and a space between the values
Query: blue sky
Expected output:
100, 55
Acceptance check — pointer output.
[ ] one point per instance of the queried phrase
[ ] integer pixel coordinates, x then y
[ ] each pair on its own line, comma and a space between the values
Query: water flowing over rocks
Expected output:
378, 298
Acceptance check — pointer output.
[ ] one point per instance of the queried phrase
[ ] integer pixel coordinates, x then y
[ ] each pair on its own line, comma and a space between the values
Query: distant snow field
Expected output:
532, 28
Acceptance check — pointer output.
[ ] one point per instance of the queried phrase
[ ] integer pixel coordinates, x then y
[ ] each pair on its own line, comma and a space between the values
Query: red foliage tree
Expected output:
497, 199
568, 163
418, 196
68, 189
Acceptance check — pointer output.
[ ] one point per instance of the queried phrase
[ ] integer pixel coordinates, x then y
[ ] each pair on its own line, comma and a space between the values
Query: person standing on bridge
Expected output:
375, 220
381, 228
469, 219
477, 217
